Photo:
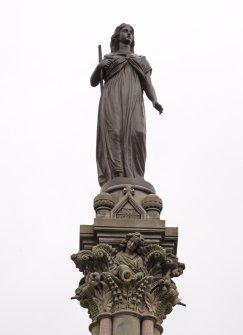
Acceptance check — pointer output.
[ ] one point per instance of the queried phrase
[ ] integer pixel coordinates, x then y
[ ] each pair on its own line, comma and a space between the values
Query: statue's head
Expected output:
115, 38
133, 242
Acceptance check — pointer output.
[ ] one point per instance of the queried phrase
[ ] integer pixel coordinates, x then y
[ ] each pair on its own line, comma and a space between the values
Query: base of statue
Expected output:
118, 181
128, 257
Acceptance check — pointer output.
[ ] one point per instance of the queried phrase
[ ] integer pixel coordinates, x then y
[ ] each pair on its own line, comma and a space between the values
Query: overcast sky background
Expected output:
48, 50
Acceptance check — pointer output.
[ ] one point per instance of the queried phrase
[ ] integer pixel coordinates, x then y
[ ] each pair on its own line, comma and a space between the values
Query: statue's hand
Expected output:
105, 63
158, 106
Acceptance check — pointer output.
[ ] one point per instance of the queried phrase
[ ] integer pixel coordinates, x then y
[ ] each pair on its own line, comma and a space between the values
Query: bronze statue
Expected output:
121, 131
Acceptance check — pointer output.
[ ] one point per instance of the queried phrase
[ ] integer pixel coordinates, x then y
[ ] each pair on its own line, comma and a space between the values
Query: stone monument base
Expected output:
128, 257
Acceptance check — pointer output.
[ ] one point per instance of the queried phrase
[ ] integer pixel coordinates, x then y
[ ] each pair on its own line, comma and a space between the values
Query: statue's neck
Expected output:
130, 253
124, 48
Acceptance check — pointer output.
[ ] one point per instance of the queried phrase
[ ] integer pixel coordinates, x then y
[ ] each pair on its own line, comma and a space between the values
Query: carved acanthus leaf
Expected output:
135, 277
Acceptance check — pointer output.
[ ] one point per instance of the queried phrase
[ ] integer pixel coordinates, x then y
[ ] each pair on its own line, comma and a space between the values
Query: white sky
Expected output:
48, 50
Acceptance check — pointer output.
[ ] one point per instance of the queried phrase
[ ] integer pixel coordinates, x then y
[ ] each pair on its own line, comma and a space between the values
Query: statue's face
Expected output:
132, 244
126, 35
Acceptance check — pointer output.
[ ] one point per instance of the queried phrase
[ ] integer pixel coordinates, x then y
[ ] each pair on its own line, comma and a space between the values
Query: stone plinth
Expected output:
128, 258
111, 231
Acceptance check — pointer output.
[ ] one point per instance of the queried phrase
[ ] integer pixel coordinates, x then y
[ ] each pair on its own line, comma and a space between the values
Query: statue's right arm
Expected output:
95, 77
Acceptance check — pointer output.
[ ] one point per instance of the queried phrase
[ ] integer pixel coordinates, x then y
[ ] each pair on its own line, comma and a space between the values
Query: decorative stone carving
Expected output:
103, 203
127, 206
130, 190
128, 211
153, 205
135, 277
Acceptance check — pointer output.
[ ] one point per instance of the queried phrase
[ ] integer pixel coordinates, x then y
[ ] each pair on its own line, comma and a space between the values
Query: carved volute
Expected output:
135, 277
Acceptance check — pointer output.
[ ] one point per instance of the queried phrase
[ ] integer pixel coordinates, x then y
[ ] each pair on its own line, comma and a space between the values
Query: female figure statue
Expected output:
128, 262
121, 131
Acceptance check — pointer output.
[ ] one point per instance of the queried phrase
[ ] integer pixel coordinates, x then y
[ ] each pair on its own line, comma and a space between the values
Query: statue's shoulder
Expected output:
138, 56
111, 55
142, 60
120, 54
141, 57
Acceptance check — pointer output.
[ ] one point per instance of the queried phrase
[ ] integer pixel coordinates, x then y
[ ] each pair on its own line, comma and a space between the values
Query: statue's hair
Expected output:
115, 38
138, 237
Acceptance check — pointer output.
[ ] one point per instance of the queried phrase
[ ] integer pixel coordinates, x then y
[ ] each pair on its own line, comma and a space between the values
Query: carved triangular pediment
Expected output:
128, 208
128, 211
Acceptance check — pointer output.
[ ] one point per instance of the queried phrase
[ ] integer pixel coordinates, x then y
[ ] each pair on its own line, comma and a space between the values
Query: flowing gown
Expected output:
121, 130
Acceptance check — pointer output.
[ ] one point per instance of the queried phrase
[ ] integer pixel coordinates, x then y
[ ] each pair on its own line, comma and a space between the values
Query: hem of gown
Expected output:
120, 182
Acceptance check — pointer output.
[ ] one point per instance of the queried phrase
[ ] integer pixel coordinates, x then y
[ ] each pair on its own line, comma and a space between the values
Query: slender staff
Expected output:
101, 71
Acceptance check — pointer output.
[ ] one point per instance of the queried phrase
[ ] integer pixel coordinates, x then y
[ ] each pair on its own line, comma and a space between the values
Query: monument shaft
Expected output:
128, 256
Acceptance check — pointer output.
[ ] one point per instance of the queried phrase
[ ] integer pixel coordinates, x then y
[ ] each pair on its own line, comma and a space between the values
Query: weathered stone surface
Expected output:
153, 205
126, 323
112, 231
135, 278
127, 201
127, 208
120, 281
95, 328
128, 256
137, 182
157, 330
105, 326
148, 327
103, 204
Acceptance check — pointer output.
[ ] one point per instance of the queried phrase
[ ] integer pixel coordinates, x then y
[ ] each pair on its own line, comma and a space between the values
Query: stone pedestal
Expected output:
128, 258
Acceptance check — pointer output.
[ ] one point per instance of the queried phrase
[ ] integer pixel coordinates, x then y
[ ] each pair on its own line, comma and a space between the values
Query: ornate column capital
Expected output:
135, 278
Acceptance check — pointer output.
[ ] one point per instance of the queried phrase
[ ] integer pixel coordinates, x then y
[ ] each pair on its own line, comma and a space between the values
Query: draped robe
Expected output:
134, 262
121, 130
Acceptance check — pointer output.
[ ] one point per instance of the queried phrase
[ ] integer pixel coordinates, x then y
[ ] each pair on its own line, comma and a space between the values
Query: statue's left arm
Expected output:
150, 92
